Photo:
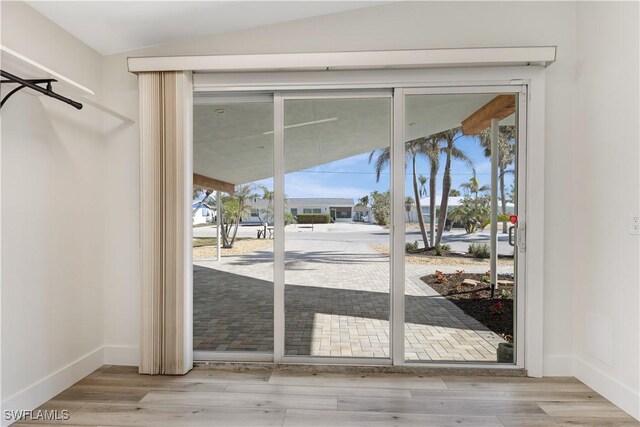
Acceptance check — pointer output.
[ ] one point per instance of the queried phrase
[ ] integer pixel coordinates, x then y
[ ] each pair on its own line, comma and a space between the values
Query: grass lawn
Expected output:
206, 224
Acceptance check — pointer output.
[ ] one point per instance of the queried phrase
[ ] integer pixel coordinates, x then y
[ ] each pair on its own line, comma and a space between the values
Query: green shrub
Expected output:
480, 250
411, 248
472, 213
381, 207
440, 250
289, 218
505, 294
313, 218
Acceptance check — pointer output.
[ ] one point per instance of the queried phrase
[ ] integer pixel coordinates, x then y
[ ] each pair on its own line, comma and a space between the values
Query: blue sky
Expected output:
354, 177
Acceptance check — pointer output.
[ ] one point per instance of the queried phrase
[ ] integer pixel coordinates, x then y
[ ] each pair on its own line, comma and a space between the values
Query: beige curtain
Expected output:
165, 221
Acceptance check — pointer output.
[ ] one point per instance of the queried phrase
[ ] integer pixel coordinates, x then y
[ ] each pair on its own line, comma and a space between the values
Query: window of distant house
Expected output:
317, 210
255, 213
294, 211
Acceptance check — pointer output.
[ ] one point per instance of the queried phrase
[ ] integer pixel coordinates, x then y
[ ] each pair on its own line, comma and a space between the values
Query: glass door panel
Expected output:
233, 251
460, 197
337, 213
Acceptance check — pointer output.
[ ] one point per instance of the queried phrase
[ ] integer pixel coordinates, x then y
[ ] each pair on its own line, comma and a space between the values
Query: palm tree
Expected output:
413, 151
432, 152
422, 180
364, 201
474, 187
414, 148
448, 138
234, 207
268, 196
454, 193
408, 204
506, 156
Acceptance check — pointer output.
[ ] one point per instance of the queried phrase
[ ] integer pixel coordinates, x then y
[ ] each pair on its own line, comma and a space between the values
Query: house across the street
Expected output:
454, 201
340, 209
202, 213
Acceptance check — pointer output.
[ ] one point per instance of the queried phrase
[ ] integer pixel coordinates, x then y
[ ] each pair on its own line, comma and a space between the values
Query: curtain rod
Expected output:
33, 84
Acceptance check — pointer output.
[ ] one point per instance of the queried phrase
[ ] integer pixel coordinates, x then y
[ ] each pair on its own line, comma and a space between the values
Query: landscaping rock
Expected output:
471, 282
505, 283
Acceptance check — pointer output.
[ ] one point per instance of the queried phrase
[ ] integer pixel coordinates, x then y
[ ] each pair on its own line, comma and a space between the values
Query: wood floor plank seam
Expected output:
119, 396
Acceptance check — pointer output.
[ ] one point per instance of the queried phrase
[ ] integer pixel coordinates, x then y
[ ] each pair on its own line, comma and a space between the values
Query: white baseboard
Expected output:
613, 390
558, 365
38, 393
121, 355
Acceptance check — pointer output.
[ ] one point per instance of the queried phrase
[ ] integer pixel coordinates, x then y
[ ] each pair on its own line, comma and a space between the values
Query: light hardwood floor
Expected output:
118, 396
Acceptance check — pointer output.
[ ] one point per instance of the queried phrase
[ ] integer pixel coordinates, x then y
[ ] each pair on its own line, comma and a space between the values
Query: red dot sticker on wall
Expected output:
513, 219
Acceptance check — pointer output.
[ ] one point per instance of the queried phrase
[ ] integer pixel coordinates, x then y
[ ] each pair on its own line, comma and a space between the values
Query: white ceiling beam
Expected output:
395, 59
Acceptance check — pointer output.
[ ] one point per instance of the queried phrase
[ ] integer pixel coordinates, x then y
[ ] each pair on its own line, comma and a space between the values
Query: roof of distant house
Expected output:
311, 201
199, 204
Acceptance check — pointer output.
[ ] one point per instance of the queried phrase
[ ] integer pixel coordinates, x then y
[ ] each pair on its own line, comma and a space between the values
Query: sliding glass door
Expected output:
233, 226
361, 226
336, 233
462, 209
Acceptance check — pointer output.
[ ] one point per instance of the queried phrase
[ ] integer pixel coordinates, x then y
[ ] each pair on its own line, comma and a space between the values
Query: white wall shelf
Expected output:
26, 68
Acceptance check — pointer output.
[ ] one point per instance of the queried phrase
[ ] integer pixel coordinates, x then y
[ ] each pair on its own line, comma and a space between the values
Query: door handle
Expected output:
511, 235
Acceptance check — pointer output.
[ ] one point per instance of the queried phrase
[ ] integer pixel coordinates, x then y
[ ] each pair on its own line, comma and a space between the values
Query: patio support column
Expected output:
218, 223
398, 278
278, 228
494, 205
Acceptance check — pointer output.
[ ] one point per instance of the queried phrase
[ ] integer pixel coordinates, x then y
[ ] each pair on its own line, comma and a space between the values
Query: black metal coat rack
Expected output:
33, 84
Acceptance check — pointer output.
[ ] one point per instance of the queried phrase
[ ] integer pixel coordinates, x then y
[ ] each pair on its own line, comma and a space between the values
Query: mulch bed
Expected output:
475, 300
428, 257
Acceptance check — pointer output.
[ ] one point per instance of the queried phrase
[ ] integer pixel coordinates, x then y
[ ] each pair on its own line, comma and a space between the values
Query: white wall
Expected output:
53, 290
52, 220
395, 26
606, 179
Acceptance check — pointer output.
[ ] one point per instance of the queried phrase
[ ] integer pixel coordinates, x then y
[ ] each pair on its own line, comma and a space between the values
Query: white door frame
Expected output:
529, 354
279, 191
398, 287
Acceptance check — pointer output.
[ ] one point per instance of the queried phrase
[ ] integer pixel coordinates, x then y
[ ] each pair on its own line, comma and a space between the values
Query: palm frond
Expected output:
383, 160
458, 154
507, 171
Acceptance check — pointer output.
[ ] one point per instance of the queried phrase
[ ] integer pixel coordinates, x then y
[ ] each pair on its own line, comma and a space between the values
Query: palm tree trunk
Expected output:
432, 206
503, 201
224, 231
423, 231
444, 202
235, 230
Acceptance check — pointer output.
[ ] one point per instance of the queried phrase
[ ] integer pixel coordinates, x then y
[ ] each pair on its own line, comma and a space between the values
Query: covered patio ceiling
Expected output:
233, 141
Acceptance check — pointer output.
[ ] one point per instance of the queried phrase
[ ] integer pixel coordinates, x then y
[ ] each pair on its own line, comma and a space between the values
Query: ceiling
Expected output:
233, 142
118, 26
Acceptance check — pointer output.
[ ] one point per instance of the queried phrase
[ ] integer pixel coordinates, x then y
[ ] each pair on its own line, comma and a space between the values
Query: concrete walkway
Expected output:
336, 304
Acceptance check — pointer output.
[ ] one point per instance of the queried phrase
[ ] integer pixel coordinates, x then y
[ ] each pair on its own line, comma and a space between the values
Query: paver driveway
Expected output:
336, 304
